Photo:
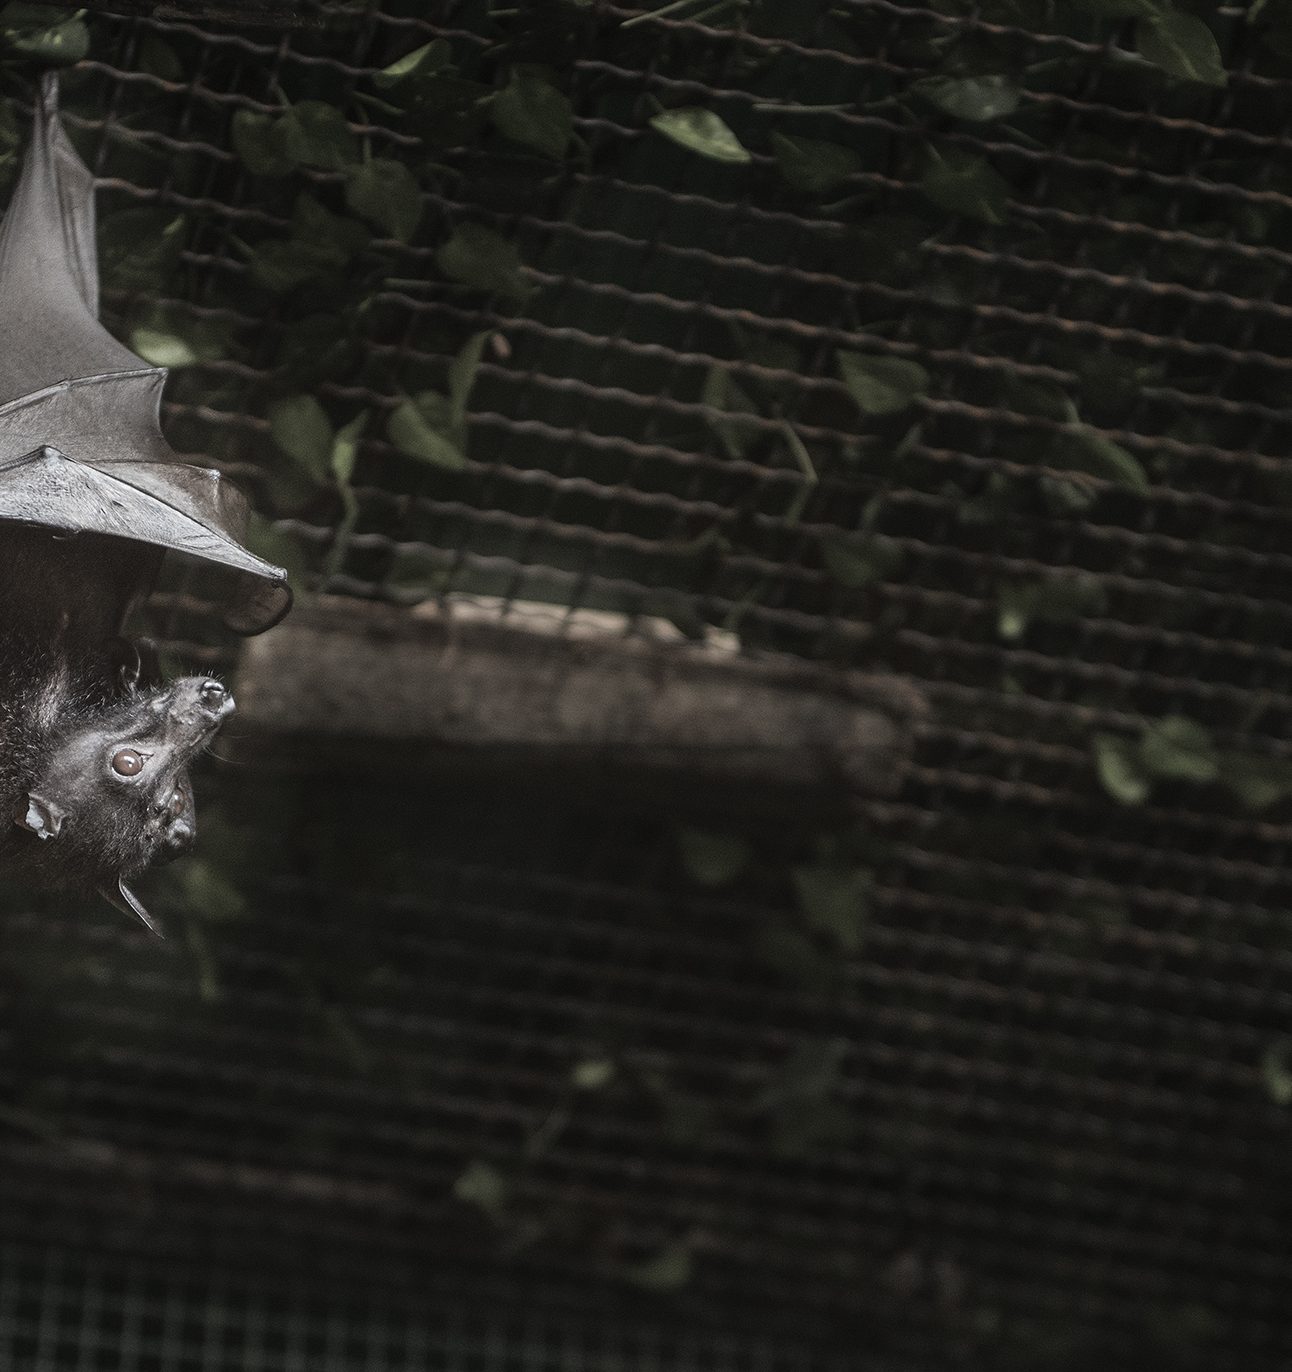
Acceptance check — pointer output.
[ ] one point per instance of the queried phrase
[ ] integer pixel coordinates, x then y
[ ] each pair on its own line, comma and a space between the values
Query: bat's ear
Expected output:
39, 816
129, 904
150, 668
136, 665
178, 840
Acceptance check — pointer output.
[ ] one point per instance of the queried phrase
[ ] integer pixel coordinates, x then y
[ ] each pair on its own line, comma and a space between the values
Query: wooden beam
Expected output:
353, 684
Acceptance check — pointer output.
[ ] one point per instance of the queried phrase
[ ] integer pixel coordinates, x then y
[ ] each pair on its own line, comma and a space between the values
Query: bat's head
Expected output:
112, 797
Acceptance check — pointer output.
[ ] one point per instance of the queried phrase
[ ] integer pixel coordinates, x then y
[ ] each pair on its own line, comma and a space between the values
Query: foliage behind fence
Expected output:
951, 339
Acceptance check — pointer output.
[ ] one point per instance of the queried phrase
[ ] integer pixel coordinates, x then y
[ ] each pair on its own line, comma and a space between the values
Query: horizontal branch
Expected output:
544, 691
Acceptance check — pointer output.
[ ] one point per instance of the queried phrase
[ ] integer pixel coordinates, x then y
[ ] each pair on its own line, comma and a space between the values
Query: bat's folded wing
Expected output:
81, 446
88, 456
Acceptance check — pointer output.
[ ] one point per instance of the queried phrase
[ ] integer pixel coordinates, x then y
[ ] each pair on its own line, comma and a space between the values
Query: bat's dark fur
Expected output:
94, 751
93, 754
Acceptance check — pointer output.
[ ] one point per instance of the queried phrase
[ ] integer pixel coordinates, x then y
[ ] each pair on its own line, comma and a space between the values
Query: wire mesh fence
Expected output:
944, 339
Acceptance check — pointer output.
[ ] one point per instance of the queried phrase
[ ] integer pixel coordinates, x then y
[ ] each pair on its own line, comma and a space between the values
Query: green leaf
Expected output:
330, 238
205, 963
158, 58
169, 336
1056, 599
444, 110
208, 894
997, 502
795, 956
163, 349
1112, 381
814, 1125
713, 860
530, 110
859, 560
668, 1270
835, 900
258, 140
301, 428
811, 165
798, 1099
1179, 749
1067, 497
282, 548
60, 44
345, 448
721, 392
1276, 1071
1083, 449
593, 1075
479, 257
484, 1187
462, 375
385, 193
321, 244
882, 385
280, 264
701, 131
317, 345
140, 247
1014, 608
423, 428
811, 1072
1120, 770
1183, 46
970, 97
1258, 782
430, 57
964, 183
316, 134
1043, 399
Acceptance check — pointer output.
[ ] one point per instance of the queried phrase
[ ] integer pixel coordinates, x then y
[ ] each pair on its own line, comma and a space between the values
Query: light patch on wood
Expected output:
559, 621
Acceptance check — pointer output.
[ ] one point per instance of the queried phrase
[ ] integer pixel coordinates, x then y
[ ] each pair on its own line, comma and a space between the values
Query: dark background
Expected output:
959, 348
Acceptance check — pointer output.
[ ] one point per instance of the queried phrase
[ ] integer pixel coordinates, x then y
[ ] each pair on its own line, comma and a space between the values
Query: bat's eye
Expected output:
126, 762
177, 804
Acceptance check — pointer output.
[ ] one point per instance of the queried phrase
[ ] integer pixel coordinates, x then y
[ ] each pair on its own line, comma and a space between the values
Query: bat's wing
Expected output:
81, 446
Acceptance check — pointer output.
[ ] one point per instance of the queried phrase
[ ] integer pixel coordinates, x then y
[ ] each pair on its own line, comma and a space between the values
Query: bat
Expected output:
94, 747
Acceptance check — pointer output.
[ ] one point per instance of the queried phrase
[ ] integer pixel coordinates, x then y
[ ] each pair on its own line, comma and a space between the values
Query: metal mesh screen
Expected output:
995, 1074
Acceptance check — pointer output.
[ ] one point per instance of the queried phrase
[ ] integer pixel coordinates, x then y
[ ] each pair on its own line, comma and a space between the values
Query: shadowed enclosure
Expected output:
948, 341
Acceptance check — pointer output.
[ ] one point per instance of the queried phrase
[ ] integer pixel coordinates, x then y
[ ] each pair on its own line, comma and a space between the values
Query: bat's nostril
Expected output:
213, 695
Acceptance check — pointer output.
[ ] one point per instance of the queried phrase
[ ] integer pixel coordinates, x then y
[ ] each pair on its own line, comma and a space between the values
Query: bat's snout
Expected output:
215, 699
199, 705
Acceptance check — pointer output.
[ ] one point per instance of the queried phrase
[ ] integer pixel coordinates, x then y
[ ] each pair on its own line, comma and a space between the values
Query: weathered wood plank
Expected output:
372, 686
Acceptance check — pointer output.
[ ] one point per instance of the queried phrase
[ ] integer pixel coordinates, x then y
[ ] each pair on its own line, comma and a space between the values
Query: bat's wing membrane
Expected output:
81, 446
48, 488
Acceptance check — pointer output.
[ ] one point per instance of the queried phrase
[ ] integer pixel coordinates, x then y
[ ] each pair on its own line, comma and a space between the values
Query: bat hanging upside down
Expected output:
94, 746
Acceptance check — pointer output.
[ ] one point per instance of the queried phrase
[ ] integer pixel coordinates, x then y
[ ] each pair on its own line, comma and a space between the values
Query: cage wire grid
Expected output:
1045, 1117
91, 1313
